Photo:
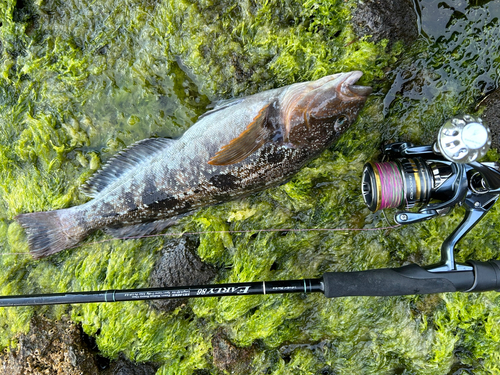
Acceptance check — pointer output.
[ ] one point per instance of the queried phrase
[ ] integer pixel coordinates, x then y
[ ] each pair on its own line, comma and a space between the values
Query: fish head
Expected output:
322, 110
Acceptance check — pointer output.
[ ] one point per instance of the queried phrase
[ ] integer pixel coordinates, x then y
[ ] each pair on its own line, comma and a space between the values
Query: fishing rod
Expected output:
423, 181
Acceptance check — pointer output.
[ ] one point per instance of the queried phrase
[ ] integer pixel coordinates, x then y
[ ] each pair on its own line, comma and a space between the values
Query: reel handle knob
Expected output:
463, 139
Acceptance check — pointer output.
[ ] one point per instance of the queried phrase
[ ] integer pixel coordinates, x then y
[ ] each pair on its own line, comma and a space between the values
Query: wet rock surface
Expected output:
230, 358
179, 265
393, 20
491, 116
123, 366
62, 348
50, 348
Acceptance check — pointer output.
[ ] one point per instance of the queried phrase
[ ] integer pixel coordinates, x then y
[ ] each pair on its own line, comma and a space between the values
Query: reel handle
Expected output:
412, 279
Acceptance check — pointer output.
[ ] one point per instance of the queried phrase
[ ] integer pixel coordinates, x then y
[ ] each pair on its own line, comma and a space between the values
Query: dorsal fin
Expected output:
251, 139
223, 104
125, 161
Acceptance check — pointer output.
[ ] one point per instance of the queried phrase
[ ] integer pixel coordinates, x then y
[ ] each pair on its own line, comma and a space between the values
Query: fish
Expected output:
238, 148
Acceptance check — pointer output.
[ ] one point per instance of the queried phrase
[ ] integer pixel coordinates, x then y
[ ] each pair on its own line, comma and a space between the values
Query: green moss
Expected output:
81, 80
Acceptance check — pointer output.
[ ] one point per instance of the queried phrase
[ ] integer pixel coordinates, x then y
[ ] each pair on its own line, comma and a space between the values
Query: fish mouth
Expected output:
348, 88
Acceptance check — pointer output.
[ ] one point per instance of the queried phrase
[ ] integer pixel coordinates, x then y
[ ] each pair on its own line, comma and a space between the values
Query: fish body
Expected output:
240, 147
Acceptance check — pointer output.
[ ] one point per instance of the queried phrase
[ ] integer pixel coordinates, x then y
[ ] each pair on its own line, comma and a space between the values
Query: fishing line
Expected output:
391, 184
255, 231
252, 231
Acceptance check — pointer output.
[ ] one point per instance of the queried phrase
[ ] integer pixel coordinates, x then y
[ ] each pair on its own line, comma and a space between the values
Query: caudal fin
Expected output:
49, 232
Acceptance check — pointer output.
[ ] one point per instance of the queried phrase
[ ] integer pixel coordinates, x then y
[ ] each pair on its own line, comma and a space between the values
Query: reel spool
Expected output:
396, 184
405, 183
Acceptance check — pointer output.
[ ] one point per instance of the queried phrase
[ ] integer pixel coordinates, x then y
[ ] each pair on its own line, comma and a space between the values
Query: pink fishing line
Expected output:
391, 185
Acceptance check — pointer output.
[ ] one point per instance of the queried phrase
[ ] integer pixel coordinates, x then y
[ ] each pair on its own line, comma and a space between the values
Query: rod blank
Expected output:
214, 290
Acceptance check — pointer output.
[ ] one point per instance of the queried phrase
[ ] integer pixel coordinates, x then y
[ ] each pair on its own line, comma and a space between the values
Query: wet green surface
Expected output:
81, 80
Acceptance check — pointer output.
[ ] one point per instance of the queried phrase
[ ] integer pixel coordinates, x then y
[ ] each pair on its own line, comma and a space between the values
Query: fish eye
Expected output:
340, 123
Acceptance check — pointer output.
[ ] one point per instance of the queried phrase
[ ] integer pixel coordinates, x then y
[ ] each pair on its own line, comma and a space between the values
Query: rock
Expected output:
393, 20
179, 265
491, 116
230, 358
123, 366
50, 348
62, 348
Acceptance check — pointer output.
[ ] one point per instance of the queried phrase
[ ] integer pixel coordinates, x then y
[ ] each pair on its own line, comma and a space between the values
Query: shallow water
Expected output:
80, 81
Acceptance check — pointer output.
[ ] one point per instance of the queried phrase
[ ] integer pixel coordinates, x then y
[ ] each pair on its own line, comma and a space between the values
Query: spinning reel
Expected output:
436, 178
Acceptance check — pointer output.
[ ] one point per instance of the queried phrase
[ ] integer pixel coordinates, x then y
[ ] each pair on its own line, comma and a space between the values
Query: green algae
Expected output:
80, 81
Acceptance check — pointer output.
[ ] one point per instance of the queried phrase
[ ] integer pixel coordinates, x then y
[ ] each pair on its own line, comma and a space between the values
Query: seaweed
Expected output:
80, 81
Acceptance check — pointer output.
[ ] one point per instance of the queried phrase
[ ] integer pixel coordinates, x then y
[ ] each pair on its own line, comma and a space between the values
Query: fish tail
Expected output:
50, 231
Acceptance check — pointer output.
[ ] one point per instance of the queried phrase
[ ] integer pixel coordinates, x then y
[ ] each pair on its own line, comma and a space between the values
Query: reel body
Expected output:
428, 178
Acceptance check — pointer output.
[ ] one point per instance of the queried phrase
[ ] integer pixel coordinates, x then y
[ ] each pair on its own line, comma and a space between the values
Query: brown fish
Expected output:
240, 147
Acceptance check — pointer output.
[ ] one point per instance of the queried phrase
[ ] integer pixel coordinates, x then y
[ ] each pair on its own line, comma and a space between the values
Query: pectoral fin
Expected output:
253, 137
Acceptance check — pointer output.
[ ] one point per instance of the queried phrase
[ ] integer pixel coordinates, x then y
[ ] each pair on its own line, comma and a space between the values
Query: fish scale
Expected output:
236, 149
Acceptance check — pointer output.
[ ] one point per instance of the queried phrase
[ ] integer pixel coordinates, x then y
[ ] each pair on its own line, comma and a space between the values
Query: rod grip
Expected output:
411, 279
486, 276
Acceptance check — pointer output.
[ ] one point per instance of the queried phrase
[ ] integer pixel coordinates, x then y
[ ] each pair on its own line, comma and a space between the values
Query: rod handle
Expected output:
486, 276
411, 279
